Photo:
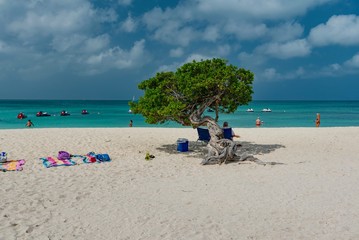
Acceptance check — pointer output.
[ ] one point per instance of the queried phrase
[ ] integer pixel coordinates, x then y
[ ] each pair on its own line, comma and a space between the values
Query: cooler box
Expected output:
182, 145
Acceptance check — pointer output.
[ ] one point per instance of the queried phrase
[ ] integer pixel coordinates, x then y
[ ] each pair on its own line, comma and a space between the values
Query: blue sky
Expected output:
98, 49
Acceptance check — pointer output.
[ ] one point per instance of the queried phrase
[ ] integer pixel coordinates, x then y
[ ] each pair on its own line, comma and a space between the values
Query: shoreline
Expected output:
184, 127
115, 114
311, 195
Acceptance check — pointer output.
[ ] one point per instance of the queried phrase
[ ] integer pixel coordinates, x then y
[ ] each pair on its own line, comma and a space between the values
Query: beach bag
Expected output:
63, 155
3, 157
103, 157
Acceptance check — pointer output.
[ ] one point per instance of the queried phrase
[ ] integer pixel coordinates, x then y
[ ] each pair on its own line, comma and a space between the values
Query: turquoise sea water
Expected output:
115, 114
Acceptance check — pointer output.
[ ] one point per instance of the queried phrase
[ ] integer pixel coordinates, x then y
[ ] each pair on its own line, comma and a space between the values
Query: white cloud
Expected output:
167, 25
296, 48
177, 52
300, 71
196, 57
270, 73
171, 25
3, 47
66, 43
129, 25
119, 58
125, 2
66, 33
173, 33
156, 18
83, 35
168, 68
106, 15
286, 32
212, 20
60, 19
97, 43
259, 9
80, 43
331, 70
211, 33
223, 50
61, 25
335, 67
353, 62
250, 60
349, 67
193, 57
245, 30
341, 29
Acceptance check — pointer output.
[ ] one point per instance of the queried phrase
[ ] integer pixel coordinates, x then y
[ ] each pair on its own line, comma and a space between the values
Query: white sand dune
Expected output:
314, 194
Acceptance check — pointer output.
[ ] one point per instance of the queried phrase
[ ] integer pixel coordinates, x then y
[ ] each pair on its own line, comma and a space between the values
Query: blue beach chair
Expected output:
203, 134
227, 133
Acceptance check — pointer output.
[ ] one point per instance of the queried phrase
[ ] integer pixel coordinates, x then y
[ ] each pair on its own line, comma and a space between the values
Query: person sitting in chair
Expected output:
225, 125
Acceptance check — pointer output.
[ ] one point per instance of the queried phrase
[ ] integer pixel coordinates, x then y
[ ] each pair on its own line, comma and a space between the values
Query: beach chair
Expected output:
203, 134
227, 133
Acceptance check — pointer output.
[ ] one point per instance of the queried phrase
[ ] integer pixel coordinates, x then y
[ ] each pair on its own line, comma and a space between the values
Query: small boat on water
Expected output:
133, 99
266, 110
250, 110
64, 113
42, 114
84, 112
21, 115
210, 110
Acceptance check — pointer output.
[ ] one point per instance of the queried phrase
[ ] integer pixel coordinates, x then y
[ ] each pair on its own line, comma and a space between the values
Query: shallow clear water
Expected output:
115, 114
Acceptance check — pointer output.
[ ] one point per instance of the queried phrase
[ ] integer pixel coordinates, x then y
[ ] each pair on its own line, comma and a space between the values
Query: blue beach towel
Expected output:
93, 157
103, 157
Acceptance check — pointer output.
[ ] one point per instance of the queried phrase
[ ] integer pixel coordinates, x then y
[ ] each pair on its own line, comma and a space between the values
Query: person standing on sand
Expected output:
317, 120
29, 124
131, 123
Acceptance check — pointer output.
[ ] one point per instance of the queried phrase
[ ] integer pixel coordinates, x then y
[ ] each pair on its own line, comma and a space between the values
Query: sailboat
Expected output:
133, 99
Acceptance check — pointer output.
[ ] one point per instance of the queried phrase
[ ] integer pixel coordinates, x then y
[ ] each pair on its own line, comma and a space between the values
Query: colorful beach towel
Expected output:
12, 165
84, 158
90, 157
55, 162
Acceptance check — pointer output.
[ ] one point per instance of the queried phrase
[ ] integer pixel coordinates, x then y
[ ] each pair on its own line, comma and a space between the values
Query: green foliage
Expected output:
176, 95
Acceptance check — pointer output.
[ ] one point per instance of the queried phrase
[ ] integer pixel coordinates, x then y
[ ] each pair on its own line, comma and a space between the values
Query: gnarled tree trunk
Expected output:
220, 150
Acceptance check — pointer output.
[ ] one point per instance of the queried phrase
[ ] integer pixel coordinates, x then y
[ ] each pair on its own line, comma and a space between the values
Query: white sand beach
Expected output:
313, 194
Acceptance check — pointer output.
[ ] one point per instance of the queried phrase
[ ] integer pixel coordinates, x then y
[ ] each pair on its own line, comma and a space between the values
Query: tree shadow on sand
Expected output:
198, 149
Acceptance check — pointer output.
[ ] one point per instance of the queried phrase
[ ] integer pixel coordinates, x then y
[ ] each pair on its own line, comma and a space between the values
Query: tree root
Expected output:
227, 156
220, 150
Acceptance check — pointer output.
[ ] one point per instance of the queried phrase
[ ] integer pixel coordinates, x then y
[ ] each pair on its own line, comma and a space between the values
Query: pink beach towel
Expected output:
12, 165
55, 162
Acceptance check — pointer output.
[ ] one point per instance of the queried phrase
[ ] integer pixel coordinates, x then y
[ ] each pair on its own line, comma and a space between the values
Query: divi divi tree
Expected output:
184, 95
